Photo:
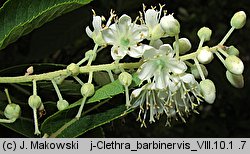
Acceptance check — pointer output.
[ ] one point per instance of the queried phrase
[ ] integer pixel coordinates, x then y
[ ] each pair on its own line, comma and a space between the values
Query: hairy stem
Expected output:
59, 95
64, 72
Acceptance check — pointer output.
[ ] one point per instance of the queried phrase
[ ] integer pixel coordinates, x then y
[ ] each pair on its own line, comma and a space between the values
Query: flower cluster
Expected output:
168, 79
173, 79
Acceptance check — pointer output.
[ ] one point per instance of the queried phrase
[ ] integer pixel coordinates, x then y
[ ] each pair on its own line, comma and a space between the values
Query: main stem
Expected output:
64, 72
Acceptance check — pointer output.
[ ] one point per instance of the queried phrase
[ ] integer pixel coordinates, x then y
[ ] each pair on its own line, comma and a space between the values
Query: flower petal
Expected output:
151, 18
89, 32
159, 79
177, 67
149, 53
156, 43
97, 23
110, 35
117, 53
123, 24
138, 33
188, 78
165, 48
147, 70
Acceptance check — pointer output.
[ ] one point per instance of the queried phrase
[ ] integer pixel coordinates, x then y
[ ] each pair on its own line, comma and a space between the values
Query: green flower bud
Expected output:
205, 55
87, 89
125, 78
62, 104
12, 111
74, 69
236, 80
204, 33
208, 90
34, 101
195, 72
232, 51
184, 45
234, 64
170, 25
238, 20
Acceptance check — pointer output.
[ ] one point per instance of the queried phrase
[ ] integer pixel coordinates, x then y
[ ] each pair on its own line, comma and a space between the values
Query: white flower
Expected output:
152, 21
125, 36
96, 34
159, 64
173, 102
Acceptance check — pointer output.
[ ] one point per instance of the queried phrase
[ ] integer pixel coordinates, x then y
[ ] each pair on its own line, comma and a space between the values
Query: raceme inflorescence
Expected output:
173, 79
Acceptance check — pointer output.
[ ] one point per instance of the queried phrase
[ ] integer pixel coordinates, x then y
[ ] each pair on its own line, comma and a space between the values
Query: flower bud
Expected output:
170, 25
62, 104
236, 80
204, 33
205, 55
234, 64
208, 90
195, 72
74, 69
34, 101
184, 45
238, 20
233, 51
87, 89
125, 78
12, 111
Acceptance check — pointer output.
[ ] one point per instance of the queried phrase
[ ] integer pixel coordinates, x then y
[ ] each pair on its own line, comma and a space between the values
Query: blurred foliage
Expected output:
64, 40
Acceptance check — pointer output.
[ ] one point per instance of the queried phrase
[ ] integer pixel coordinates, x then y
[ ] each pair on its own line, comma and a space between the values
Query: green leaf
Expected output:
20, 17
58, 119
22, 126
84, 124
107, 91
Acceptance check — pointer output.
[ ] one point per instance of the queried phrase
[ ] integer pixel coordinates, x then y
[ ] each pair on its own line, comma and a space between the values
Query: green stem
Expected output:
7, 120
34, 87
201, 43
64, 72
199, 69
227, 36
127, 96
82, 61
223, 52
57, 90
37, 132
78, 80
81, 107
111, 76
7, 95
90, 77
220, 57
188, 56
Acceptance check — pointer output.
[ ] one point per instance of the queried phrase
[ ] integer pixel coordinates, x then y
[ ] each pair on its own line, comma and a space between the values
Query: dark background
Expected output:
63, 41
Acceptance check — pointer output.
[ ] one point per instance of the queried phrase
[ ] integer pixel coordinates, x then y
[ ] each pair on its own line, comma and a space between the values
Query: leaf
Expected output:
107, 91
57, 120
84, 124
22, 126
20, 17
